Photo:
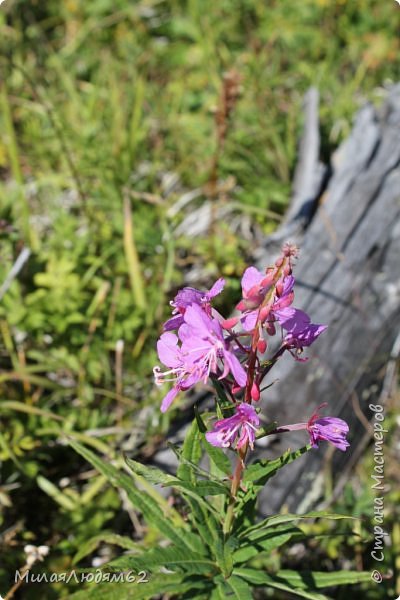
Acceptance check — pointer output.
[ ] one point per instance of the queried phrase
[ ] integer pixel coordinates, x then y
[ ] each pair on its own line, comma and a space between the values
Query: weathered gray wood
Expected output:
348, 277
310, 172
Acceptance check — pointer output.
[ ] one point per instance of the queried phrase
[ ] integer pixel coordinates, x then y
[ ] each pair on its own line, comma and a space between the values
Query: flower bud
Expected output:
262, 346
287, 269
229, 323
268, 279
255, 392
264, 312
279, 287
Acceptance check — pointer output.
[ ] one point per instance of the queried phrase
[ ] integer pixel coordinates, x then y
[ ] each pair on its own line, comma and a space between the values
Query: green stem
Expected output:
132, 257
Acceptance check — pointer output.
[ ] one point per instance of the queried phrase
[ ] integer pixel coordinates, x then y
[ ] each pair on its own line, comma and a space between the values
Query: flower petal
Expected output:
216, 288
169, 398
236, 368
251, 277
168, 351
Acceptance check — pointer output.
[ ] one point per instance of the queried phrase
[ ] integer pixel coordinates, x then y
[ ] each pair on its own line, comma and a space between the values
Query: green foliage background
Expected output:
101, 104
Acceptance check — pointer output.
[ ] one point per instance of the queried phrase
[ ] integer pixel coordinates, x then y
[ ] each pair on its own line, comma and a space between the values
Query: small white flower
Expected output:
34, 553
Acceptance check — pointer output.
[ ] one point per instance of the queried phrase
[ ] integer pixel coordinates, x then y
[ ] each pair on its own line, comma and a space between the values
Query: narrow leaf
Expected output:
254, 531
200, 423
201, 488
262, 470
55, 493
149, 473
236, 587
148, 589
191, 451
140, 500
108, 538
262, 579
320, 579
218, 457
170, 557
265, 542
26, 408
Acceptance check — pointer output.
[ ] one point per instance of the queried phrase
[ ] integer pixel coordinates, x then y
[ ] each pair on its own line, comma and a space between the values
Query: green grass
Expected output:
100, 101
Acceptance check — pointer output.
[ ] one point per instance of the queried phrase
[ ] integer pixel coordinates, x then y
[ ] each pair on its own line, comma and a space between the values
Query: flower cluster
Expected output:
198, 345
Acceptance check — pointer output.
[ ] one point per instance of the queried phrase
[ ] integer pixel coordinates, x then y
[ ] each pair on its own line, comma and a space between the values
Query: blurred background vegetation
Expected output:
115, 115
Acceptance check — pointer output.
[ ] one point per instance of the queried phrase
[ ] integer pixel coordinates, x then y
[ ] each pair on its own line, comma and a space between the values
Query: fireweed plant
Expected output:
207, 346
210, 543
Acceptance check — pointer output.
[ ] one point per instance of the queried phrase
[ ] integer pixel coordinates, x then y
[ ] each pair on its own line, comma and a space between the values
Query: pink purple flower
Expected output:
183, 374
203, 351
330, 429
203, 341
188, 296
242, 426
300, 331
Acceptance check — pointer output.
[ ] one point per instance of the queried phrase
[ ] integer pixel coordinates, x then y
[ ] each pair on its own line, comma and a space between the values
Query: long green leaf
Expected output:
201, 488
149, 473
218, 457
256, 530
191, 451
132, 257
26, 408
268, 541
108, 538
320, 579
156, 476
236, 587
193, 467
206, 523
255, 477
141, 500
303, 583
224, 554
56, 494
199, 419
171, 557
262, 579
262, 470
156, 585
224, 404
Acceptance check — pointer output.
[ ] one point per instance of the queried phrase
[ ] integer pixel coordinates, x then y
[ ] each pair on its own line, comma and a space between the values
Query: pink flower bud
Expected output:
255, 392
229, 323
287, 269
268, 279
279, 287
262, 346
264, 312
236, 389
